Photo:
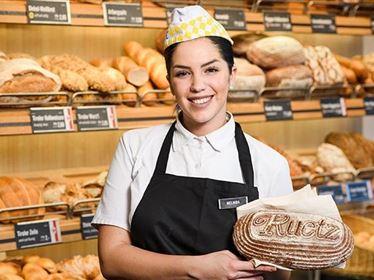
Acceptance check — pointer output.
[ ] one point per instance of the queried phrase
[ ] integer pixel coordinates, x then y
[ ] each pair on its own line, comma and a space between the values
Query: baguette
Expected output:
149, 99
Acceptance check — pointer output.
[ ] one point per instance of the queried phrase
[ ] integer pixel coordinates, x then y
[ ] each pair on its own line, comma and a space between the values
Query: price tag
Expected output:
120, 14
96, 118
336, 191
88, 231
369, 105
231, 19
359, 191
37, 233
48, 11
51, 119
278, 110
323, 23
275, 21
333, 107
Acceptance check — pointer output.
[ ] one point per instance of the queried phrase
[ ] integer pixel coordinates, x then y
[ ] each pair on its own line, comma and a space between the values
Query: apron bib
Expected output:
181, 215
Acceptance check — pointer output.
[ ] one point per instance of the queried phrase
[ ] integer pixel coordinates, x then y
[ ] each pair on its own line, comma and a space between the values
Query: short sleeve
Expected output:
114, 206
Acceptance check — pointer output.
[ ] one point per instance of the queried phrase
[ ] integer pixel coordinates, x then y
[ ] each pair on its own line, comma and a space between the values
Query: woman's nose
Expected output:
197, 84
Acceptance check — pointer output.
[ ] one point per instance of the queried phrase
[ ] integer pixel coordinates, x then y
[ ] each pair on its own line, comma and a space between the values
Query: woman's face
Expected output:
200, 80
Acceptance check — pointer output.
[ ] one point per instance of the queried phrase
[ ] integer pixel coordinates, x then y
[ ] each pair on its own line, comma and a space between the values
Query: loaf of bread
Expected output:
325, 68
366, 144
33, 271
275, 52
26, 75
9, 268
293, 76
134, 74
248, 76
242, 42
85, 267
115, 77
16, 192
356, 65
353, 150
293, 240
332, 159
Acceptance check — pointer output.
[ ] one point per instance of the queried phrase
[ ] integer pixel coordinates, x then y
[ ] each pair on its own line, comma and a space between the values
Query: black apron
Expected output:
180, 215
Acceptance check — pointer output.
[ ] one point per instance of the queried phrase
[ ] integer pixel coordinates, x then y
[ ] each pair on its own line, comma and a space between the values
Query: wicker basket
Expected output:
361, 262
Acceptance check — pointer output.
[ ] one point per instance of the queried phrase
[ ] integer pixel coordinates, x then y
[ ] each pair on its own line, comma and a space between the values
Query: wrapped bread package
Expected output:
298, 231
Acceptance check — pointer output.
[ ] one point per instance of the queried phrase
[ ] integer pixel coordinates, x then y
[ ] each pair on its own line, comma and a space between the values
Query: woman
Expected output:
168, 208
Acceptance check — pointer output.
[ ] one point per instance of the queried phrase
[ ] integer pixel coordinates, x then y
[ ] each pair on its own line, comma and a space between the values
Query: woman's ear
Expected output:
233, 75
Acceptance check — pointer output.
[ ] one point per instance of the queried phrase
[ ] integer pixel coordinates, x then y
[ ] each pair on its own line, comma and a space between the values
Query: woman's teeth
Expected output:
201, 100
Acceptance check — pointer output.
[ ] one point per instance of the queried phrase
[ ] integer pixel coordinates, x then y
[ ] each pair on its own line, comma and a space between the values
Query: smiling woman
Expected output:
172, 190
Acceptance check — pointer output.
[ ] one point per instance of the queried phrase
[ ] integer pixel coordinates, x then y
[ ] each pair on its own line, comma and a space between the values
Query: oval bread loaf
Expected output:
293, 240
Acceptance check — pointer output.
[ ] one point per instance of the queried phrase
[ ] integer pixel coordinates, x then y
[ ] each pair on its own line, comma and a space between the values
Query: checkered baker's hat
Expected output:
193, 22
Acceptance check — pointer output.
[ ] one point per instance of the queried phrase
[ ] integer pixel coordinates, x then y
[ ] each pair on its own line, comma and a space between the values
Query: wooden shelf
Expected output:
154, 15
17, 121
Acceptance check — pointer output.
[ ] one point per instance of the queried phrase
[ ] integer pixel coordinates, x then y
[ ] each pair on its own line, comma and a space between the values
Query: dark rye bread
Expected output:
293, 240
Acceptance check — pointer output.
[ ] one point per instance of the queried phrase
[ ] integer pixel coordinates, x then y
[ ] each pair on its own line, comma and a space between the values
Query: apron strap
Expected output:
241, 143
244, 155
163, 156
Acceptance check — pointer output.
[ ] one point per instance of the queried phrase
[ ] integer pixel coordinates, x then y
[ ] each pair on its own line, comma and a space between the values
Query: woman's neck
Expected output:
202, 129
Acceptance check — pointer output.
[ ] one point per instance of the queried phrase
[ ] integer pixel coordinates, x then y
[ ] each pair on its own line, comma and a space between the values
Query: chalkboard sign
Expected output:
359, 191
276, 21
48, 12
88, 231
120, 14
278, 110
369, 105
323, 23
37, 233
336, 191
51, 119
231, 19
96, 118
333, 107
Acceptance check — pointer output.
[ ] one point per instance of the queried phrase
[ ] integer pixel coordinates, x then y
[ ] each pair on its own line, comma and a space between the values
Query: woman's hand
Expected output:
225, 265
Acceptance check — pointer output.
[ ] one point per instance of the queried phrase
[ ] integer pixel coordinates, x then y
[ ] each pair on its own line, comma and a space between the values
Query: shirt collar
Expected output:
217, 139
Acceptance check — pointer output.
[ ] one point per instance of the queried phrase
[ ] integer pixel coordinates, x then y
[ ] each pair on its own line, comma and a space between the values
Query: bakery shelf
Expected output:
154, 16
16, 121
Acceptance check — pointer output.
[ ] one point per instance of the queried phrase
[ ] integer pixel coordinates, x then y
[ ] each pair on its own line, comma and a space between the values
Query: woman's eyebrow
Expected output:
203, 65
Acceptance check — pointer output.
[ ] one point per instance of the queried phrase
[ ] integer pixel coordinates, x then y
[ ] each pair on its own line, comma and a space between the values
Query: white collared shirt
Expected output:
212, 156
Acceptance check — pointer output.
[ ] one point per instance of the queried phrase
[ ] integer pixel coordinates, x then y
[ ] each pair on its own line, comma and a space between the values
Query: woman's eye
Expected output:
181, 74
212, 70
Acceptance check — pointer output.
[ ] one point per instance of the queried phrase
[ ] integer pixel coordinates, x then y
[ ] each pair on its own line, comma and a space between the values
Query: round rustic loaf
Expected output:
277, 51
293, 240
16, 192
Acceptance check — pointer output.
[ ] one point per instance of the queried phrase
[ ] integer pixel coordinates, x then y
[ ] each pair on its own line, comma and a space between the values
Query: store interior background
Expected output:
26, 153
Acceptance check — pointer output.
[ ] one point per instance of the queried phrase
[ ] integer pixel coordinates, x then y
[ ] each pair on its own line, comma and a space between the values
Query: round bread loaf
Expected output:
293, 240
277, 51
16, 192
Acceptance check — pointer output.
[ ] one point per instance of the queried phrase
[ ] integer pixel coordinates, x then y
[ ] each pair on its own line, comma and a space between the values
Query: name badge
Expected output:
232, 202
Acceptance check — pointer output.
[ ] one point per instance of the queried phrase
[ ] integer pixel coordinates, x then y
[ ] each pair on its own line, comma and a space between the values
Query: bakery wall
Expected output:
69, 150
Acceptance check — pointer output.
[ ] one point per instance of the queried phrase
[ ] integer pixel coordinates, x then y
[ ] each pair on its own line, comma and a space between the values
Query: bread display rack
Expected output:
154, 14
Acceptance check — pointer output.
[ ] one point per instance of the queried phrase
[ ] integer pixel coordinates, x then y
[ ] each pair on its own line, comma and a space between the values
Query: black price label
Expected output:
120, 14
323, 23
278, 110
88, 231
51, 119
48, 12
37, 233
96, 118
274, 21
369, 105
333, 107
359, 191
231, 19
336, 191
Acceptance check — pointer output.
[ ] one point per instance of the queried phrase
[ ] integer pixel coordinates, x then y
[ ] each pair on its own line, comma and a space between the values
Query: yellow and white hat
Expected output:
193, 22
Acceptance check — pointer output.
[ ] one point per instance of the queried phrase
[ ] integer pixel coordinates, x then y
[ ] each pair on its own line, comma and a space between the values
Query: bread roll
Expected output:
357, 66
9, 268
293, 76
7, 276
333, 159
131, 95
248, 76
115, 77
349, 75
47, 264
277, 51
134, 74
148, 98
99, 62
33, 271
242, 42
31, 258
85, 267
131, 48
15, 192
26, 75
293, 240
